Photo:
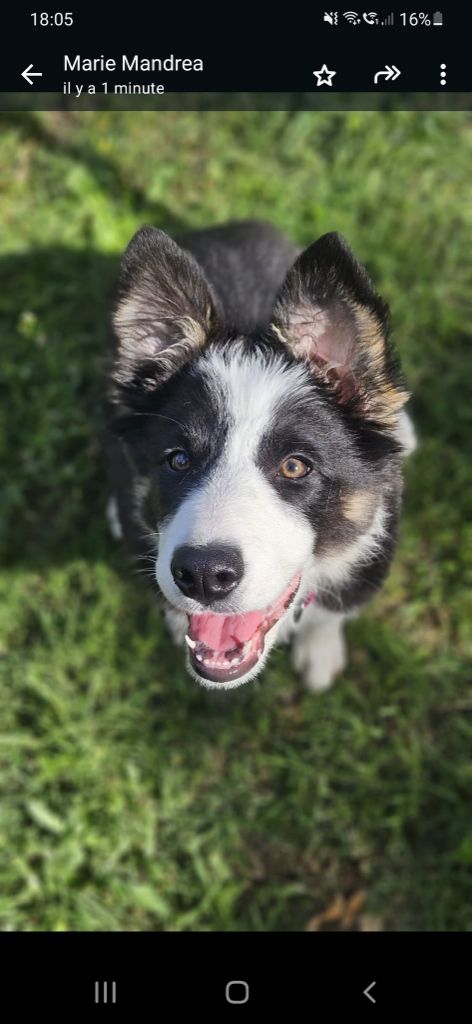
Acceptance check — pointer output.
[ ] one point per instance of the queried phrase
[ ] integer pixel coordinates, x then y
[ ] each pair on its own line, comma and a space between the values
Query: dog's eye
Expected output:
294, 468
178, 460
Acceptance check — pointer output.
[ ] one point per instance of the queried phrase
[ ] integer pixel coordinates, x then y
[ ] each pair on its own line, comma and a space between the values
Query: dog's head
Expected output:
264, 464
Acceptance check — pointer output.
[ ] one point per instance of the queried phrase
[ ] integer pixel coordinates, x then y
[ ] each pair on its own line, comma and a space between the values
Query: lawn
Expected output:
130, 798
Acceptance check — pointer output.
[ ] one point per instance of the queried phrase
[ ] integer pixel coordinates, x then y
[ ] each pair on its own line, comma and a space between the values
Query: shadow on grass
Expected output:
54, 308
108, 175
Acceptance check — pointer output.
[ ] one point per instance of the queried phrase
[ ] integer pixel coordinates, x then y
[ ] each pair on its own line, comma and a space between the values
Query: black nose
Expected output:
207, 573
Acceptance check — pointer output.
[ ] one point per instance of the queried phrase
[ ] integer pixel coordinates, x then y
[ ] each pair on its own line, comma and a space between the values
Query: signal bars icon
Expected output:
389, 20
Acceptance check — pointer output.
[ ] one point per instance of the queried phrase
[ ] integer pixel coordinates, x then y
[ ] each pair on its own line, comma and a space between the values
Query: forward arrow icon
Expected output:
390, 74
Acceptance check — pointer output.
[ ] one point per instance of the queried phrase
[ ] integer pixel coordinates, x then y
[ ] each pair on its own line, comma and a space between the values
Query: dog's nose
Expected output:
207, 574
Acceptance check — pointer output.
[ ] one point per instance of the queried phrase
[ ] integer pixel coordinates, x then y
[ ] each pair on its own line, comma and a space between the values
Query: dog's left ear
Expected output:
329, 314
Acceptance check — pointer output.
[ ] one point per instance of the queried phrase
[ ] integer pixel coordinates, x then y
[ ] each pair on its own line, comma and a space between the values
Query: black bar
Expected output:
319, 973
238, 57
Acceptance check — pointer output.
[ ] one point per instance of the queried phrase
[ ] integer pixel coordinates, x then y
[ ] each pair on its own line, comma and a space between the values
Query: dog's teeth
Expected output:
221, 660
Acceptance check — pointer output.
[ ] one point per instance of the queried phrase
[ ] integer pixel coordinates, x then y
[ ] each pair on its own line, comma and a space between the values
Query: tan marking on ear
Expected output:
379, 398
370, 333
167, 360
278, 334
193, 331
127, 310
358, 507
385, 403
127, 321
382, 399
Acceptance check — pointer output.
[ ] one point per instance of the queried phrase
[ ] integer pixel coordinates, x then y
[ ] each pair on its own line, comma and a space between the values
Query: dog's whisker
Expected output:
161, 416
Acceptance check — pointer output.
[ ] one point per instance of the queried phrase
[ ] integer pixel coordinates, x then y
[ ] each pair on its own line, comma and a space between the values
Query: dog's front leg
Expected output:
319, 650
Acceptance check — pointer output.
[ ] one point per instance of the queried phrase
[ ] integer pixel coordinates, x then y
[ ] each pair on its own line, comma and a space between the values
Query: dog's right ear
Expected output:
164, 312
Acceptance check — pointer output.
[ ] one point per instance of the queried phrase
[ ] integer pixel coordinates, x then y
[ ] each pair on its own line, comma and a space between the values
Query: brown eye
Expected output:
294, 468
178, 460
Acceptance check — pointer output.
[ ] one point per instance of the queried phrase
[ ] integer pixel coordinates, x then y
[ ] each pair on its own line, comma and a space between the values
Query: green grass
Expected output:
131, 799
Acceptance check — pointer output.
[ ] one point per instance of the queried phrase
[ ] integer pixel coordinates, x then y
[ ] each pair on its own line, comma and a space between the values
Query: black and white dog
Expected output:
256, 439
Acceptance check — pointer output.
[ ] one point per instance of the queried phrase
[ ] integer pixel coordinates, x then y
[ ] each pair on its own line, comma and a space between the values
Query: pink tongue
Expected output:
222, 632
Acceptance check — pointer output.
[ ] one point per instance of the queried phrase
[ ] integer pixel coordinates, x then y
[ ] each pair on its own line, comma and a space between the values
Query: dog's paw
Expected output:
177, 625
319, 655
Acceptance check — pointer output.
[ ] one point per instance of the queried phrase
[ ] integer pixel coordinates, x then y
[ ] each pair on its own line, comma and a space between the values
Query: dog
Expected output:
256, 435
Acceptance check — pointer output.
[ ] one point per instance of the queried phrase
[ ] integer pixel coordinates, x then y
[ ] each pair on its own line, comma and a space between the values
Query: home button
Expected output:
237, 992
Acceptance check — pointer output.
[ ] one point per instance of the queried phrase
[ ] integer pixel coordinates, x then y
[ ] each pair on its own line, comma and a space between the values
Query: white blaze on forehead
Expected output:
236, 504
253, 388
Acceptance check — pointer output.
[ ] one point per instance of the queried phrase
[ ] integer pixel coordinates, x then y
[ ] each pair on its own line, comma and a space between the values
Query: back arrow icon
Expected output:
366, 992
28, 74
390, 74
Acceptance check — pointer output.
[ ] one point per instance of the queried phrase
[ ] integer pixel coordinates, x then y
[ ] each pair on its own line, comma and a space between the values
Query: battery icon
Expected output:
437, 18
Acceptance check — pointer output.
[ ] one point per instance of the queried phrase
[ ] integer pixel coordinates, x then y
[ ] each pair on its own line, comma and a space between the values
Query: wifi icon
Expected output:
352, 17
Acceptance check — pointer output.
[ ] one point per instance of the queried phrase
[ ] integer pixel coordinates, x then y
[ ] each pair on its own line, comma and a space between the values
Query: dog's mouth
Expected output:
225, 647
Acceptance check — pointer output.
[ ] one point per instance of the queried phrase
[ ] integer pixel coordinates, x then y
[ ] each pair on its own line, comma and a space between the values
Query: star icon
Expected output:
324, 76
